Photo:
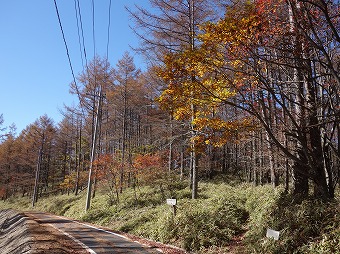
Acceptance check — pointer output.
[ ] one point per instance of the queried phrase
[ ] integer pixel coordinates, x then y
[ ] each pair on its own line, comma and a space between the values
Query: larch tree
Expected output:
1, 123
91, 89
124, 93
38, 141
72, 149
11, 177
171, 26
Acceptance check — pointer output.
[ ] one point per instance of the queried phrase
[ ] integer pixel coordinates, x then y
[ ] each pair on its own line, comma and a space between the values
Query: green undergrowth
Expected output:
225, 217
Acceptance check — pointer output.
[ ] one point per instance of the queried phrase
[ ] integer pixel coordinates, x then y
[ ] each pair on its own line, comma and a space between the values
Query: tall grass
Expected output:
210, 224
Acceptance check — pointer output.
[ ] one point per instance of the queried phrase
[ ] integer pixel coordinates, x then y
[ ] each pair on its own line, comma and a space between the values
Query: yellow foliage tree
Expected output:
207, 91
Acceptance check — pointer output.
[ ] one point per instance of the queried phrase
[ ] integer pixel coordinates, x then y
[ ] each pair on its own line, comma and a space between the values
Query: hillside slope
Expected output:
225, 219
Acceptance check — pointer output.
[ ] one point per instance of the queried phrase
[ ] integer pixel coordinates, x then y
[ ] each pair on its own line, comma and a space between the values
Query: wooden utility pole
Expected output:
94, 141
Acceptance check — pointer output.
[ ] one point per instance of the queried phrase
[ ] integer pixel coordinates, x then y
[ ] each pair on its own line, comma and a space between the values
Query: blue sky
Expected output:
34, 69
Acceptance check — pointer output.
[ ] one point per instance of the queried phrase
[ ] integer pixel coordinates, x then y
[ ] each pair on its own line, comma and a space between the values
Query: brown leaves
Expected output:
149, 168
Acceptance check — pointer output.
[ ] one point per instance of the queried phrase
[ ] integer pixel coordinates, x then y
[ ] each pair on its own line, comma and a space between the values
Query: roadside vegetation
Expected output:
226, 217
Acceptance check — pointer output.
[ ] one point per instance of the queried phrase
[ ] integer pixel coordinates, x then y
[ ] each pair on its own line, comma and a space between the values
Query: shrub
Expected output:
203, 223
140, 221
325, 216
99, 216
260, 202
301, 225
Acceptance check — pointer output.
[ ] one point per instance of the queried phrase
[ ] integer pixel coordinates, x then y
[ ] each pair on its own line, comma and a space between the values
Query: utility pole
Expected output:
94, 141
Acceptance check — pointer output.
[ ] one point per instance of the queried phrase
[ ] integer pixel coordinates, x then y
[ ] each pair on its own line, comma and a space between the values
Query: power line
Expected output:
82, 31
108, 32
93, 30
80, 22
67, 51
78, 30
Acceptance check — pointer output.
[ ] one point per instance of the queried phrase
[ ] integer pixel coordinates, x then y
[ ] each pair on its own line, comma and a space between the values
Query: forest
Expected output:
248, 89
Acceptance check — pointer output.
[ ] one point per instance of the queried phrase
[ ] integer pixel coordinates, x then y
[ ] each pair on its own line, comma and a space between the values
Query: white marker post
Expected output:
273, 234
173, 203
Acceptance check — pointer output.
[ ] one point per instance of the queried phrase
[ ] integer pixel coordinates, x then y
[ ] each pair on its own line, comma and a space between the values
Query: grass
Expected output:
210, 224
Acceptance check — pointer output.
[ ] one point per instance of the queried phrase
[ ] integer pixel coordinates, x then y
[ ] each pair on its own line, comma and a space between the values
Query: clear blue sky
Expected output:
34, 69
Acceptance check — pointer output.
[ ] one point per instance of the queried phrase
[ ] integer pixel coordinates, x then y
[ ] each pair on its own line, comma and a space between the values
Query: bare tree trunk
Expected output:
36, 183
182, 161
170, 145
124, 134
79, 161
319, 174
300, 168
193, 153
253, 159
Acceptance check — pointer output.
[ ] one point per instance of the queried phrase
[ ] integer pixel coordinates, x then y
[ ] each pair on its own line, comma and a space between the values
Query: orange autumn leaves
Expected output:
144, 168
149, 168
211, 75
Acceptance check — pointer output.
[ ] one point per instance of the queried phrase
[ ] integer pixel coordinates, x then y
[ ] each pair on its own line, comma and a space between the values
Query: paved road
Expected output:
94, 240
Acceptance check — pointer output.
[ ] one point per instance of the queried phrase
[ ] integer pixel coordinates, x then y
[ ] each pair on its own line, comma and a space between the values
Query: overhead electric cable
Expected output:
82, 31
83, 44
108, 33
93, 30
79, 16
78, 30
67, 51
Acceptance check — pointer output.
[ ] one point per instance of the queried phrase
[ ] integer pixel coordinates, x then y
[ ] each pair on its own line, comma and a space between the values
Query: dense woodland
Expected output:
247, 88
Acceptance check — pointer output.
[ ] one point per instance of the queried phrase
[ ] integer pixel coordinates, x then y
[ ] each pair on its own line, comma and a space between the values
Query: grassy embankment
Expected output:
225, 217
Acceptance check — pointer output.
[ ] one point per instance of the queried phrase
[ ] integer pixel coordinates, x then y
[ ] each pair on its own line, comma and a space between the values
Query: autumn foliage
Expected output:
249, 88
149, 168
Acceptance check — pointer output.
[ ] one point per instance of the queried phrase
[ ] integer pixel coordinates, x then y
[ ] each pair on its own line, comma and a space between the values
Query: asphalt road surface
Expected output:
92, 239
